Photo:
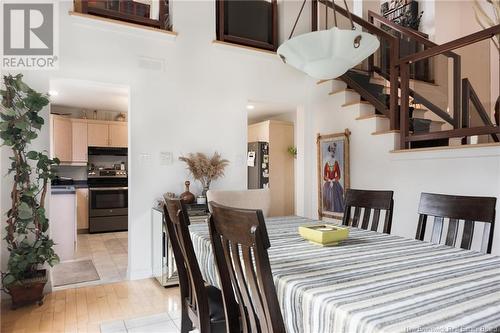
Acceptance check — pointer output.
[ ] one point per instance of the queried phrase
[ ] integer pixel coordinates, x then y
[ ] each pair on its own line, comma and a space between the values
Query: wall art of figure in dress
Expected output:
333, 173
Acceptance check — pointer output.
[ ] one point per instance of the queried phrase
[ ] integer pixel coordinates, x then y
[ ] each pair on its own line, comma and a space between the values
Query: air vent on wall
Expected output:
152, 64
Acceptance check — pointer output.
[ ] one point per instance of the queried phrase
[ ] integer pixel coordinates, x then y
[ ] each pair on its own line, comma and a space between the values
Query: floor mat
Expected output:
72, 272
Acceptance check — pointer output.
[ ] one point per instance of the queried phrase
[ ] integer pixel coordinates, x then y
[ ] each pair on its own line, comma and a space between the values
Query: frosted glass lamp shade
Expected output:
327, 54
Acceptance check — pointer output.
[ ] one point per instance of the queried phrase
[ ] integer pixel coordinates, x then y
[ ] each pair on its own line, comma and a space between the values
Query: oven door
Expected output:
108, 201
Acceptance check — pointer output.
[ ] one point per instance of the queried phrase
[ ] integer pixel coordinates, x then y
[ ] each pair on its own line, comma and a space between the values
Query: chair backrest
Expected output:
192, 285
368, 200
455, 208
247, 199
240, 245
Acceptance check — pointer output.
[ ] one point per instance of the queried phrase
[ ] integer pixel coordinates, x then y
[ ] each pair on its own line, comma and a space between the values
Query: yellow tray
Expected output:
324, 234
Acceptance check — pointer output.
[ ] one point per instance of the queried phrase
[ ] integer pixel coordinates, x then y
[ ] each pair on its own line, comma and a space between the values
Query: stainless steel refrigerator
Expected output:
258, 165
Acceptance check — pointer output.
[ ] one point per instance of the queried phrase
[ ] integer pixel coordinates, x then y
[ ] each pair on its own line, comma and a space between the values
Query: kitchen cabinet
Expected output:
98, 134
107, 134
79, 140
71, 137
82, 208
118, 136
61, 140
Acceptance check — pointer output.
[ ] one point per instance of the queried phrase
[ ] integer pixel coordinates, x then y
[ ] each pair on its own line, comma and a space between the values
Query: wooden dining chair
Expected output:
202, 305
368, 200
454, 208
240, 244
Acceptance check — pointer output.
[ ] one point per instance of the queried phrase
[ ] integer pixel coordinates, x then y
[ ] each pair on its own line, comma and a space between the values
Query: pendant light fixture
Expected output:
327, 54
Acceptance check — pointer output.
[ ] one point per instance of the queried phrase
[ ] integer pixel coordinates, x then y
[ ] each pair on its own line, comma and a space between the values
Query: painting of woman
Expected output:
333, 173
333, 193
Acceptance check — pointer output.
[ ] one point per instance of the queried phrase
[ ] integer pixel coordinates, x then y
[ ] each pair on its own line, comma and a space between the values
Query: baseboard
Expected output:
139, 274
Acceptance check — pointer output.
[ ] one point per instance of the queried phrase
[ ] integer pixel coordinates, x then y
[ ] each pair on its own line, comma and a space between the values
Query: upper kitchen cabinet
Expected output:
79, 140
61, 139
98, 134
71, 137
118, 135
107, 134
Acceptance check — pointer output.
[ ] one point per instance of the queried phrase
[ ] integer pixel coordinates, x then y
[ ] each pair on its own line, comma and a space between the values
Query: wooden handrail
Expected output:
434, 108
381, 107
405, 31
453, 45
363, 23
455, 133
470, 95
419, 37
430, 44
394, 53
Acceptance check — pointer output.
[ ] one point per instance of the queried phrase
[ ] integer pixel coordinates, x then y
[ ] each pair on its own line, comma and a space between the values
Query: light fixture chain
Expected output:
334, 14
349, 15
297, 19
326, 15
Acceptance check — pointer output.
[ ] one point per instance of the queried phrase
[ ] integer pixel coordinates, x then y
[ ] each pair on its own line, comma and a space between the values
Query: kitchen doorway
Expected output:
271, 153
89, 196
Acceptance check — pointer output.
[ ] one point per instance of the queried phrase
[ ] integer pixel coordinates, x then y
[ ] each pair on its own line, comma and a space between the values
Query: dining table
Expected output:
372, 282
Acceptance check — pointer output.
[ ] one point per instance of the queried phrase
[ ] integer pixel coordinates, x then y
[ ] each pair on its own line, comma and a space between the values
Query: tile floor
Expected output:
158, 323
109, 253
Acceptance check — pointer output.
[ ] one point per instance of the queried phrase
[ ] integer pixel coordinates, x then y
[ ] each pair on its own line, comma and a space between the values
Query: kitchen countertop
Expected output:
62, 189
58, 189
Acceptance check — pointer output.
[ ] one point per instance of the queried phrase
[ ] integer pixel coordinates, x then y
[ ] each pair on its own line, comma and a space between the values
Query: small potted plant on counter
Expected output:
28, 243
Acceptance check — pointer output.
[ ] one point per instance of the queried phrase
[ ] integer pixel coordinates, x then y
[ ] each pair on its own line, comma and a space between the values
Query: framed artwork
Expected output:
333, 173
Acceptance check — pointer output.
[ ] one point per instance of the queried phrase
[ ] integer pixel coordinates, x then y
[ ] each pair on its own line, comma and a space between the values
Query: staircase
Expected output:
381, 91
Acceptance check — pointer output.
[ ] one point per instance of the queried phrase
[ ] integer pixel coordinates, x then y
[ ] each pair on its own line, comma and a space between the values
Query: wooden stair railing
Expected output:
392, 112
419, 99
409, 33
469, 95
458, 131
398, 75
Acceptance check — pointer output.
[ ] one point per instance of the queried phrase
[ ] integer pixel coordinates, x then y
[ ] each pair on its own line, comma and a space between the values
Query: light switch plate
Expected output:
166, 158
145, 159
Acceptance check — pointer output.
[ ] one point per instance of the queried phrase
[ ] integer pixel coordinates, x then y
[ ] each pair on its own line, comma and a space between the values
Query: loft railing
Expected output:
470, 100
410, 41
426, 44
460, 117
128, 11
390, 111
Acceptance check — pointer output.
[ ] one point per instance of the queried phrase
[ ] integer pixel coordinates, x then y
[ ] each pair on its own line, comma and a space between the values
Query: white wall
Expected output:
472, 171
197, 103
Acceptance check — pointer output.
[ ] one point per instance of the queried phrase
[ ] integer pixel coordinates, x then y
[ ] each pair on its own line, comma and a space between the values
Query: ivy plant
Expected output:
28, 242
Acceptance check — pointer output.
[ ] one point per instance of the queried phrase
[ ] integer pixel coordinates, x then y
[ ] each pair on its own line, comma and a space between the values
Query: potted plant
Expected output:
26, 234
205, 169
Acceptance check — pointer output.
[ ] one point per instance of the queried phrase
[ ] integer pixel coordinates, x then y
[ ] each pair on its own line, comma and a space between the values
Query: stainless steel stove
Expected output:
108, 200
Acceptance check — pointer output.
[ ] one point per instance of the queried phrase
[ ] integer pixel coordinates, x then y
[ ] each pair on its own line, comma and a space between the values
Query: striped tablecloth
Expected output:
374, 282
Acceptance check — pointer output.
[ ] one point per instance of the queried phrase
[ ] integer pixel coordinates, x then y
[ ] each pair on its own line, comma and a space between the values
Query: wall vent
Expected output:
152, 64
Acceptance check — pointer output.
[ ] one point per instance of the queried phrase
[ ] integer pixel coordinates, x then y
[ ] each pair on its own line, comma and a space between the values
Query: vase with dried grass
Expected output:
205, 169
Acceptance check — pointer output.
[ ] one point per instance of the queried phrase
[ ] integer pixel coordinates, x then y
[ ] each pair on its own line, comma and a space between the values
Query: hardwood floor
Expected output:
83, 309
